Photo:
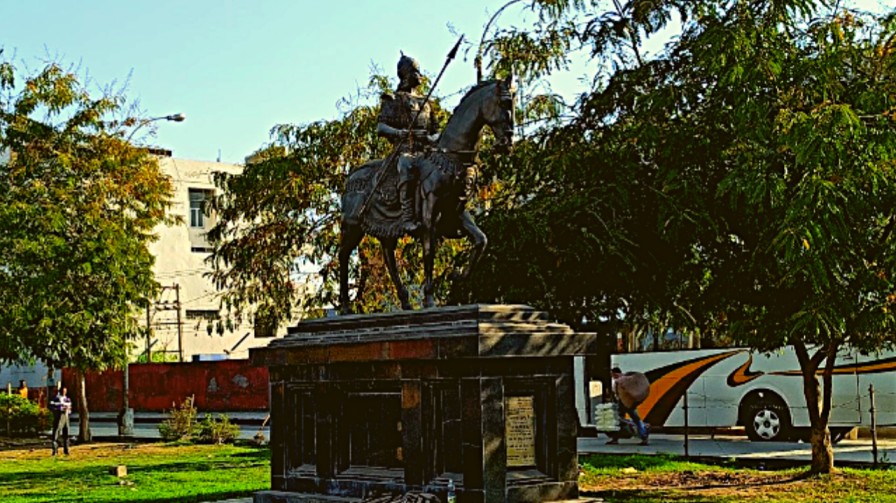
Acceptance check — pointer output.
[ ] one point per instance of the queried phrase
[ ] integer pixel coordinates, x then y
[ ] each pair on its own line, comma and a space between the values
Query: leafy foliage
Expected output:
741, 182
218, 430
78, 205
181, 423
24, 417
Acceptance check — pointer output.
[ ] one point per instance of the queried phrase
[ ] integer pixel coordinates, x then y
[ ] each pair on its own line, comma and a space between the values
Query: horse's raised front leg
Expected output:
429, 239
479, 241
429, 255
388, 247
351, 238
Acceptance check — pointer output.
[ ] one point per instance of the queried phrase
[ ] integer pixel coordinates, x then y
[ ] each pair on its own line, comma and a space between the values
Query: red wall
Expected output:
226, 386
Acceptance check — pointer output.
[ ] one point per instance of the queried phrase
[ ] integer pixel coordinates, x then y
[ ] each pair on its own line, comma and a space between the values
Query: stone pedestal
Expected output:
367, 405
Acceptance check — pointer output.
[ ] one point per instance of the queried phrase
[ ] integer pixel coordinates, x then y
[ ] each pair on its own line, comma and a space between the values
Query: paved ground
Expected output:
146, 425
730, 446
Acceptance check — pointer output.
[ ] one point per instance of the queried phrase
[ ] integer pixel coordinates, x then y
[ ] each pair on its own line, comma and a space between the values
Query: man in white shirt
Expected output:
61, 406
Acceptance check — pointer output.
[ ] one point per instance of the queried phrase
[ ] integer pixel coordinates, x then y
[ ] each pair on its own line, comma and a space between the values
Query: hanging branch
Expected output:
477, 62
631, 32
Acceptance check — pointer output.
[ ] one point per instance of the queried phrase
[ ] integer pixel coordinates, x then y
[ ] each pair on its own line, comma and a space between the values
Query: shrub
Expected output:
24, 417
218, 431
181, 423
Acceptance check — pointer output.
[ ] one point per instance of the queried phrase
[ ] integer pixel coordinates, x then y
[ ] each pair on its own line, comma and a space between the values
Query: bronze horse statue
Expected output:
439, 196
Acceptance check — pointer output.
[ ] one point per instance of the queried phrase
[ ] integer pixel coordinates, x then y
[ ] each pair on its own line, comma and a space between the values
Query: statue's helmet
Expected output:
406, 65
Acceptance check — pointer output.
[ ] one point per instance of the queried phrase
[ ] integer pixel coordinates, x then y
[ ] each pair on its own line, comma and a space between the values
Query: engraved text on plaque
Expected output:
519, 425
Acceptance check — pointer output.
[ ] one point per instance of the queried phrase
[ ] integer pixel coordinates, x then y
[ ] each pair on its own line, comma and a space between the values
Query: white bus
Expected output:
763, 393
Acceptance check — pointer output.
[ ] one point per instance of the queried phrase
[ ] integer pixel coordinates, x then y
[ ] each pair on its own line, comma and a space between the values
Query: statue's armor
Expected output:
398, 110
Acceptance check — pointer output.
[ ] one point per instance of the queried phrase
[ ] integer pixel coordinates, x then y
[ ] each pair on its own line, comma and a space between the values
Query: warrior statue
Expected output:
396, 113
432, 180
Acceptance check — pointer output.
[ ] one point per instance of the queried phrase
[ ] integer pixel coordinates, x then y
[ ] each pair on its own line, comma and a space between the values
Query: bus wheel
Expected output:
767, 420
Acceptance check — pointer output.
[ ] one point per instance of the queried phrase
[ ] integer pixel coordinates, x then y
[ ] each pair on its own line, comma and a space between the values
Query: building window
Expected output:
198, 200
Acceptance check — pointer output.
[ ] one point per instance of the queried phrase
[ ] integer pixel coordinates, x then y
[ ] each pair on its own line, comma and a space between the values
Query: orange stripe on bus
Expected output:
743, 374
865, 368
666, 382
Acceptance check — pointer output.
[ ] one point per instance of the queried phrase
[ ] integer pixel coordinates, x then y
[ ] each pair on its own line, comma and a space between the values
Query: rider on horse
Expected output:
397, 111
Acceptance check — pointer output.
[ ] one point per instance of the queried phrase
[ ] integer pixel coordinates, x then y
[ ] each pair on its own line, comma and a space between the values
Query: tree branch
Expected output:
631, 32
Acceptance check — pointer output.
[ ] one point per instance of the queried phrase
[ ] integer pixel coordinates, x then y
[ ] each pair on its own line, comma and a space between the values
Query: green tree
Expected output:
741, 181
78, 205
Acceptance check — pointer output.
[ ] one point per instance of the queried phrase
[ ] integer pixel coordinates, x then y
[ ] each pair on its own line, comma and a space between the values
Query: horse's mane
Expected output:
473, 90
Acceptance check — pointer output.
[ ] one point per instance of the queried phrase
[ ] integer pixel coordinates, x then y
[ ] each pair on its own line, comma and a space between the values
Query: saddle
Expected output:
383, 216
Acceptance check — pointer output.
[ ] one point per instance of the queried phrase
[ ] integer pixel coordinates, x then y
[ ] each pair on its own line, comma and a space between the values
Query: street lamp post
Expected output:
126, 415
173, 118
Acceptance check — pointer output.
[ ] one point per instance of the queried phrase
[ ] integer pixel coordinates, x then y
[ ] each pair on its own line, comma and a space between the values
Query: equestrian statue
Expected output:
421, 189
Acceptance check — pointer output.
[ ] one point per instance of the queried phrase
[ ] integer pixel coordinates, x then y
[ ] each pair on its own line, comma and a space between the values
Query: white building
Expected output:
182, 319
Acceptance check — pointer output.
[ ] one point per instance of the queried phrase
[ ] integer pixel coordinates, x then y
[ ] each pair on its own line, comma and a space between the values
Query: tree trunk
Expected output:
84, 434
818, 403
822, 448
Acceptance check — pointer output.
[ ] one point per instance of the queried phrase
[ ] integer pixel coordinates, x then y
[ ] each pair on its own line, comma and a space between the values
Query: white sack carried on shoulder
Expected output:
632, 388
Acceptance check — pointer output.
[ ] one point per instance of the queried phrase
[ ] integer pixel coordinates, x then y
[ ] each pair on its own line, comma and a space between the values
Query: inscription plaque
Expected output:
519, 425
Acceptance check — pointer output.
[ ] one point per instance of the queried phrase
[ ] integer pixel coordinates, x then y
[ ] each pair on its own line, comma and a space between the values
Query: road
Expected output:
146, 425
739, 447
103, 430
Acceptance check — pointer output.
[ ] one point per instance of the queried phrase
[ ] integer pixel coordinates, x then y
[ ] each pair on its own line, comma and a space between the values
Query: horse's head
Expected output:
497, 110
488, 103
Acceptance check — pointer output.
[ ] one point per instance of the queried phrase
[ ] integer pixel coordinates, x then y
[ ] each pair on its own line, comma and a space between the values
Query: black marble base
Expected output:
396, 403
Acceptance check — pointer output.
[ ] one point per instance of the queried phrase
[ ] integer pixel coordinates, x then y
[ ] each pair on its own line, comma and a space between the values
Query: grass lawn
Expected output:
156, 473
160, 472
654, 479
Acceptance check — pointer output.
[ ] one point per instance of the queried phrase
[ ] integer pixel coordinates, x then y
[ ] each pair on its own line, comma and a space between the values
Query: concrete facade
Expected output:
189, 299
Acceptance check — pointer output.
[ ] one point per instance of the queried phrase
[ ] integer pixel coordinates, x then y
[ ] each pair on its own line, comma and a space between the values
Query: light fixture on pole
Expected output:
173, 118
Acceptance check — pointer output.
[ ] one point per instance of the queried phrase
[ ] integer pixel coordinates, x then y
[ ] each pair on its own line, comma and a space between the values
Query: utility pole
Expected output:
180, 326
148, 332
162, 306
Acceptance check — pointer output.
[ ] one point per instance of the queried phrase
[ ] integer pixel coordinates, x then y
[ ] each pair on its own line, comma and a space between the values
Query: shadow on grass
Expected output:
689, 493
196, 466
196, 498
728, 480
264, 454
60, 472
63, 472
642, 496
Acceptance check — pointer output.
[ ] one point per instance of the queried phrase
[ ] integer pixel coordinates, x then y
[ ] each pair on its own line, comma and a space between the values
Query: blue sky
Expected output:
237, 68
